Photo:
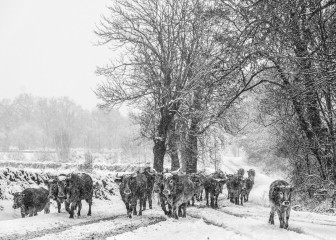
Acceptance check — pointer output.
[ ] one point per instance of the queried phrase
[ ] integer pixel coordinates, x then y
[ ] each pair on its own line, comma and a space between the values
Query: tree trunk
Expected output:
159, 151
192, 149
184, 150
173, 149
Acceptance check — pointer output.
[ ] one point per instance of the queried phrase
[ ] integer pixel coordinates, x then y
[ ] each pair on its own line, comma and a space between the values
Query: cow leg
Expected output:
174, 211
184, 215
79, 207
150, 200
288, 210
89, 201
207, 197
231, 197
216, 200
67, 206
59, 206
180, 210
134, 204
201, 195
23, 212
144, 203
129, 209
163, 205
30, 211
271, 218
241, 199
72, 209
47, 208
193, 201
211, 200
281, 214
169, 210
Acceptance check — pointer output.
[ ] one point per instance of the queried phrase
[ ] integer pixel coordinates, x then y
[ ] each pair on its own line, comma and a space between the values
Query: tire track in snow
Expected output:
246, 226
52, 233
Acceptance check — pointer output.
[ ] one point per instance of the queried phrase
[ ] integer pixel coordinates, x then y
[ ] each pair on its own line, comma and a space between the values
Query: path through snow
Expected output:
229, 221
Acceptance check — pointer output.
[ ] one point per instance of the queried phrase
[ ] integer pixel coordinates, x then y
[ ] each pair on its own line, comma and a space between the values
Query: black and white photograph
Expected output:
168, 119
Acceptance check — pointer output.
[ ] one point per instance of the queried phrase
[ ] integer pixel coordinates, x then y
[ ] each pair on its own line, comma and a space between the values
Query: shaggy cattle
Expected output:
249, 182
280, 199
251, 175
31, 201
133, 187
76, 187
198, 179
158, 189
234, 186
213, 186
179, 190
241, 172
149, 190
246, 189
53, 194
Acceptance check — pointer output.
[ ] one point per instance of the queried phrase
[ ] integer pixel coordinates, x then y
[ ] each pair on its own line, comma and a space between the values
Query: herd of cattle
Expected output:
175, 190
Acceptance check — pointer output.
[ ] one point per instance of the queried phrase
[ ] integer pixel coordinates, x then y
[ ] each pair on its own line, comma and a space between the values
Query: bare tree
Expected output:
161, 44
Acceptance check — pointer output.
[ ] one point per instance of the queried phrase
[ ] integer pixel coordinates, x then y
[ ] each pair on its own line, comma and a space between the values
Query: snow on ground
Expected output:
100, 209
186, 229
229, 221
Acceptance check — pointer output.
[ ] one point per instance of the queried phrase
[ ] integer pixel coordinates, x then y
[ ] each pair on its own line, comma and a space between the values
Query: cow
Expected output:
158, 189
251, 174
243, 191
241, 173
179, 190
31, 201
234, 186
150, 185
213, 187
280, 199
76, 187
132, 187
249, 184
246, 189
53, 194
198, 179
229, 178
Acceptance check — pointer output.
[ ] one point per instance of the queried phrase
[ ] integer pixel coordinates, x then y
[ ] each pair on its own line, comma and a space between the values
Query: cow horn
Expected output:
176, 171
134, 174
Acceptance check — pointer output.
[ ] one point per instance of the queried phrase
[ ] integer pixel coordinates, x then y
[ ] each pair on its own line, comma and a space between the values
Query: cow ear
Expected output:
291, 188
46, 182
118, 180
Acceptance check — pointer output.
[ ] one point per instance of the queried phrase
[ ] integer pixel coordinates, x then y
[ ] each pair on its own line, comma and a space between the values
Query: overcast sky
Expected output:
46, 48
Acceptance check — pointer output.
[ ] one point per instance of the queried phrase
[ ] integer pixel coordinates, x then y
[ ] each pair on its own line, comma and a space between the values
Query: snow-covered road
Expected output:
229, 221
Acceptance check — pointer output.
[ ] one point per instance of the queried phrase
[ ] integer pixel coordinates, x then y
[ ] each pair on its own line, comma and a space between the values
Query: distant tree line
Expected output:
29, 122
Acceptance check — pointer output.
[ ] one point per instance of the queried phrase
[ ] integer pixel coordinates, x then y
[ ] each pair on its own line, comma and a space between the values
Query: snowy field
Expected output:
109, 221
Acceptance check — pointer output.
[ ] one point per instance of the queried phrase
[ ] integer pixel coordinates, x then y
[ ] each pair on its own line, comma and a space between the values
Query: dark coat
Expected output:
31, 201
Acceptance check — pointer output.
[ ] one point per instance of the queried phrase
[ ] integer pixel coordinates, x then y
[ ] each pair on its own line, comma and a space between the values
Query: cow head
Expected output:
241, 172
170, 184
127, 183
158, 182
62, 185
196, 179
52, 187
251, 174
18, 197
244, 184
284, 193
218, 184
